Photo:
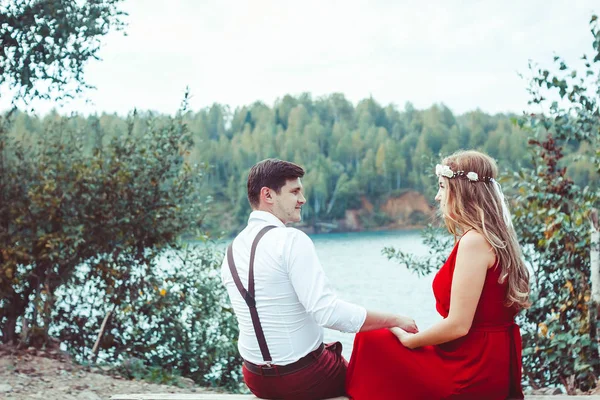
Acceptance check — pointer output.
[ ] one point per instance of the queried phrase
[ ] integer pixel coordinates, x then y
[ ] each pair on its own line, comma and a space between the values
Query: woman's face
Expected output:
441, 194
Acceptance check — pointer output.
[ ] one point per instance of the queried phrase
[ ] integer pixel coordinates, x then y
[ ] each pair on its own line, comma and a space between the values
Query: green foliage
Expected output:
351, 154
113, 208
374, 219
438, 245
45, 44
90, 229
135, 368
179, 319
418, 218
91, 210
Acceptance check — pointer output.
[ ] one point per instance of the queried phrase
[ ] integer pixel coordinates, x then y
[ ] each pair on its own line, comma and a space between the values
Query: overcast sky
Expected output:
465, 54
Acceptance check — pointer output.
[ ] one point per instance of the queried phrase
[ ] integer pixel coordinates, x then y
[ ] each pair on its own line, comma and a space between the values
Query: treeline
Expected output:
348, 151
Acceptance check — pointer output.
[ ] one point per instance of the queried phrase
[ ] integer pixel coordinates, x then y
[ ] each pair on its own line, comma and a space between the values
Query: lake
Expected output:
361, 274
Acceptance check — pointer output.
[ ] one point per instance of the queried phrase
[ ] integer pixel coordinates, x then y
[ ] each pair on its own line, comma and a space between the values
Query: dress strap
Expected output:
248, 295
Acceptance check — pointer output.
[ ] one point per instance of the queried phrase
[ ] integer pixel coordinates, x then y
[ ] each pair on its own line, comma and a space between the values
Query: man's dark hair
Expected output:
271, 173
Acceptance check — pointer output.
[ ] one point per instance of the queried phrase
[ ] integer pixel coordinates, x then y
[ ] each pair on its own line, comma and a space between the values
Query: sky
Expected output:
465, 54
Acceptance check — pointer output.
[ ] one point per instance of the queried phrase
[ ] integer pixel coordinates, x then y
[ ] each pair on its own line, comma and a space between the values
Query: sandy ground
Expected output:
52, 376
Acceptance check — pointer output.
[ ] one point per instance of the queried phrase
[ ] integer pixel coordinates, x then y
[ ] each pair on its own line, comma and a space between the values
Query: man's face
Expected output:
287, 204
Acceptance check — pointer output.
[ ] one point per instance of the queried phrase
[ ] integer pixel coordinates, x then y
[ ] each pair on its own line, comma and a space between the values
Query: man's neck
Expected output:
268, 210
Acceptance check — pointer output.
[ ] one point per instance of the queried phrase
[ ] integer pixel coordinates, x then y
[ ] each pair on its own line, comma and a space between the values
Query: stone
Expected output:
4, 388
187, 382
87, 395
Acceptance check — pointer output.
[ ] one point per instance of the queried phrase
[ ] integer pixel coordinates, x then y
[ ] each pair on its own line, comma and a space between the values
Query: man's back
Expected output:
293, 296
289, 330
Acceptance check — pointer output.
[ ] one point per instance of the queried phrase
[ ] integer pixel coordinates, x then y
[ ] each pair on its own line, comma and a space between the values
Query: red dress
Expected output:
484, 364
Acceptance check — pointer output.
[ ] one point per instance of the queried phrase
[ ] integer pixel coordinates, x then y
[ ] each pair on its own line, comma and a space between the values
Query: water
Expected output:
360, 274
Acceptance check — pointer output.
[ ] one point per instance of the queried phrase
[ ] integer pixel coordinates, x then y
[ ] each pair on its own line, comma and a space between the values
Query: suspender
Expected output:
248, 295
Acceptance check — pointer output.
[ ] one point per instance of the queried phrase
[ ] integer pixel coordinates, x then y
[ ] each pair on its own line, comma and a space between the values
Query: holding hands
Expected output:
403, 336
406, 324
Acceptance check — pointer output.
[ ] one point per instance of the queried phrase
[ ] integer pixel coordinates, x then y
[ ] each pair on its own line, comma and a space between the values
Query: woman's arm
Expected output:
472, 262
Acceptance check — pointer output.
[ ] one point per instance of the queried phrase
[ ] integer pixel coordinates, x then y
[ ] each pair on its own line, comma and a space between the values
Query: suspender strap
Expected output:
248, 295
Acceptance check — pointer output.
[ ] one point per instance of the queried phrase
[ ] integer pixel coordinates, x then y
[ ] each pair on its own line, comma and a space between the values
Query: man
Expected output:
282, 298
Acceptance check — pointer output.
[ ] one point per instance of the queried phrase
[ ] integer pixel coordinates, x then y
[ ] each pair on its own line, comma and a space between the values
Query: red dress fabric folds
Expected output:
484, 364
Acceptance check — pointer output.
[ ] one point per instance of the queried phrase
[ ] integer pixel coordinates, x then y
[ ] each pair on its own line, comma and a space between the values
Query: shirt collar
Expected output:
264, 216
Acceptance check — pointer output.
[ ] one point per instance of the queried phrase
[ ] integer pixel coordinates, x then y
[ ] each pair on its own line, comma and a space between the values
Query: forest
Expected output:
350, 152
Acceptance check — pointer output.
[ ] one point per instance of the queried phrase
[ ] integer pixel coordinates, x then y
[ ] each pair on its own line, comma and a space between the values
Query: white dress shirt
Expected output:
294, 298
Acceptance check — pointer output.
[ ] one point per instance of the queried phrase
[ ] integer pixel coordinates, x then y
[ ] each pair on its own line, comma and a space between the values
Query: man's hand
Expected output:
379, 320
407, 324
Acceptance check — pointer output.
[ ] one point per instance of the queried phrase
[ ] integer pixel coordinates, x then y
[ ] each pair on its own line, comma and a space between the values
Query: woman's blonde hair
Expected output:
478, 205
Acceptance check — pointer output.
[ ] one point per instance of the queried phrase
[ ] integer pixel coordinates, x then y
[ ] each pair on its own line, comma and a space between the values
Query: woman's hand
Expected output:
404, 337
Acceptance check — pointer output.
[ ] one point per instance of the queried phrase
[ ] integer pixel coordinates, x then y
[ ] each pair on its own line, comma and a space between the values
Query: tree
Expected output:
49, 42
62, 207
88, 207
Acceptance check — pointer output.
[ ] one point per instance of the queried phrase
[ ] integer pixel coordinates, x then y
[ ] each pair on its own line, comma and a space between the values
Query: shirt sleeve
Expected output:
314, 290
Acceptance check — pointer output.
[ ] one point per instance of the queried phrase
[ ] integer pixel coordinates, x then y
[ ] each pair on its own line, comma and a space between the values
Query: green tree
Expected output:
50, 41
61, 207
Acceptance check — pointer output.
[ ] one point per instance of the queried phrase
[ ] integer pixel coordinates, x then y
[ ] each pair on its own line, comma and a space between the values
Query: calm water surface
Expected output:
360, 273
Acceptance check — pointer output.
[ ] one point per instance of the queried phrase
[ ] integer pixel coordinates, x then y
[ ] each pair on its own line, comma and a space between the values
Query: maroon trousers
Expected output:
325, 378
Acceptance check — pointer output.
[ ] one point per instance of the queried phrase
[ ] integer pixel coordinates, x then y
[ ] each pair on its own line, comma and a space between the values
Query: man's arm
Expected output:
318, 298
379, 320
313, 289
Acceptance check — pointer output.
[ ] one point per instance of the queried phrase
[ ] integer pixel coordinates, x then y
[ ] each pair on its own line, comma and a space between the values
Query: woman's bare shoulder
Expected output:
474, 242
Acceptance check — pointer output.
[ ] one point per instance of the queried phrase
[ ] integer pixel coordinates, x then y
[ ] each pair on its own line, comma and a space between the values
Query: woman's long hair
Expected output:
478, 205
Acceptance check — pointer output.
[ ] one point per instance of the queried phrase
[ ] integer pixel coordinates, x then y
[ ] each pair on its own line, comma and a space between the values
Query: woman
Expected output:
475, 351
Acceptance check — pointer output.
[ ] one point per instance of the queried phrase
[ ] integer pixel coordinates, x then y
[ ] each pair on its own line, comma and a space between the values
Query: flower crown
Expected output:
444, 170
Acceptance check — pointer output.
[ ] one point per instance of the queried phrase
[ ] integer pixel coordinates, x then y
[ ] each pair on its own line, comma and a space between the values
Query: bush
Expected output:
61, 206
180, 321
84, 222
551, 216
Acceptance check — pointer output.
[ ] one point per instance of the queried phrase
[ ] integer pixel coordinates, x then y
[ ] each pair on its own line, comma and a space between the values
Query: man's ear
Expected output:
266, 195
